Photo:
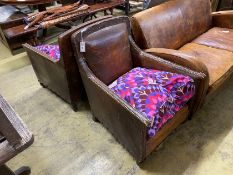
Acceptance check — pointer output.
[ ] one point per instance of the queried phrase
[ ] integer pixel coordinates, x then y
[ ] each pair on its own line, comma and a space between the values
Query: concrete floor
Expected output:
69, 143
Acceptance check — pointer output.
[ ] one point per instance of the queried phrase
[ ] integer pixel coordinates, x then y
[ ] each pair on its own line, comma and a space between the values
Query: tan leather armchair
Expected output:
185, 32
109, 53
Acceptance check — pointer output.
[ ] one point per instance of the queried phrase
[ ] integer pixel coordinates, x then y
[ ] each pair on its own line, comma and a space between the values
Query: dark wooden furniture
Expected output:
110, 41
91, 11
40, 3
61, 77
14, 138
12, 33
151, 3
66, 2
106, 5
194, 38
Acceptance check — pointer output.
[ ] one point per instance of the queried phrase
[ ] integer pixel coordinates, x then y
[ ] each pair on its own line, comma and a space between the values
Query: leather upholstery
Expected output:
187, 33
218, 62
223, 19
126, 124
220, 38
166, 25
107, 59
60, 76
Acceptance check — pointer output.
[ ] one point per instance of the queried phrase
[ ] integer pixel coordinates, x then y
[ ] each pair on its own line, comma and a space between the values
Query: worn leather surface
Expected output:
108, 52
223, 19
218, 62
171, 25
180, 58
61, 77
221, 38
126, 124
185, 32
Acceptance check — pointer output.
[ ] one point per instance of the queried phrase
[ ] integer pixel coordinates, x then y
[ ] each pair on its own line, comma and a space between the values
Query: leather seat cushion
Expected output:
218, 62
53, 51
158, 95
221, 38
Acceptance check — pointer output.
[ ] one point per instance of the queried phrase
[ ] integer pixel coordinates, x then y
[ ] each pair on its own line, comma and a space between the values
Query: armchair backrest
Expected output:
65, 45
107, 48
171, 24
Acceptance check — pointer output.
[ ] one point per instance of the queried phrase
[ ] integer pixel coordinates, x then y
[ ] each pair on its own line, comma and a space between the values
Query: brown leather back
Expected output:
108, 52
68, 59
171, 24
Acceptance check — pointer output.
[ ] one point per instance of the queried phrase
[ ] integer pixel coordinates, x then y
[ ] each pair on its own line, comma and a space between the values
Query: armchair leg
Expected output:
23, 171
5, 170
74, 107
94, 118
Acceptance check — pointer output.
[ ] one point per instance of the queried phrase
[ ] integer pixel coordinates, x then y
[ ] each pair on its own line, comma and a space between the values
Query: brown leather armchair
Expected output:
185, 32
109, 53
60, 76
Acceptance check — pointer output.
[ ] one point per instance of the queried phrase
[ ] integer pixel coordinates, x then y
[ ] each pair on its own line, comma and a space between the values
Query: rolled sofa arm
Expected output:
223, 19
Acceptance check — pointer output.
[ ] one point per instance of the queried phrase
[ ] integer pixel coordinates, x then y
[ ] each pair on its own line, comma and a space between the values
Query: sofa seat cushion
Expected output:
52, 50
156, 94
220, 38
218, 62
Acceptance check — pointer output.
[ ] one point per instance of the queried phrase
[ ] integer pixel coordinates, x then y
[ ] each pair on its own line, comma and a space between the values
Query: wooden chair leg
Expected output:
95, 119
105, 12
85, 18
111, 11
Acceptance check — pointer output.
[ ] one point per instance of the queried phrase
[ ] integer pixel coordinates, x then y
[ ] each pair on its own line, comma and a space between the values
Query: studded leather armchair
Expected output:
61, 75
107, 52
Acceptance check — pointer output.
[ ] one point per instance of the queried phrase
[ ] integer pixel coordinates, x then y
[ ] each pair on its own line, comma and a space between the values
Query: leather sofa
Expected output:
107, 51
61, 75
185, 32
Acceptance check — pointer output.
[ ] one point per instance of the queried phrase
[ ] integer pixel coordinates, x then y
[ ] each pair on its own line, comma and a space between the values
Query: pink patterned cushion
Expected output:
52, 50
156, 94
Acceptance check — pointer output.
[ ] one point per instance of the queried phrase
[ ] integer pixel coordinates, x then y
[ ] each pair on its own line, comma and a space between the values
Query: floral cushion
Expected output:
52, 50
156, 94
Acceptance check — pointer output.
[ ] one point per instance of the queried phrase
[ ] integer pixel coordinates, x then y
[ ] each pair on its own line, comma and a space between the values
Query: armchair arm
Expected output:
179, 58
35, 54
223, 19
141, 58
122, 120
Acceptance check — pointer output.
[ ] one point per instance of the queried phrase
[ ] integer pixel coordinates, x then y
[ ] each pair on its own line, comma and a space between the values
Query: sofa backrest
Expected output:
171, 24
107, 50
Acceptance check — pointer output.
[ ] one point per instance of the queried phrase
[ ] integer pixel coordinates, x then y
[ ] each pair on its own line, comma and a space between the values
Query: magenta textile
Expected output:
52, 50
158, 95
